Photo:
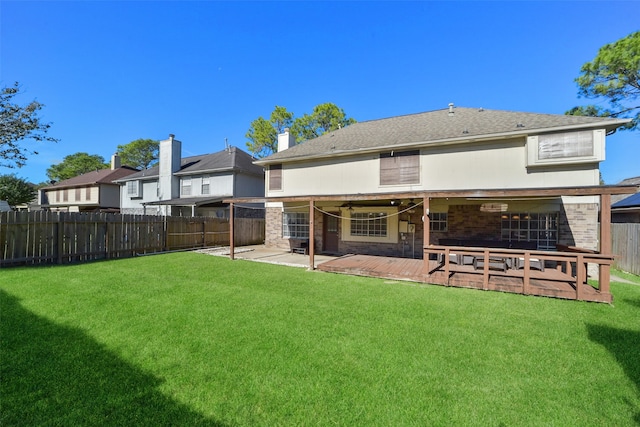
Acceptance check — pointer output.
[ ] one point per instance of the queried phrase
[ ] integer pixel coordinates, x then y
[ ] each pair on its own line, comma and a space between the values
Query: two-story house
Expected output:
94, 191
472, 175
193, 186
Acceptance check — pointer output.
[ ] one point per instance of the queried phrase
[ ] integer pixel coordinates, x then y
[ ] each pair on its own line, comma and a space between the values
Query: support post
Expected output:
527, 271
581, 272
232, 248
312, 244
605, 242
426, 237
485, 271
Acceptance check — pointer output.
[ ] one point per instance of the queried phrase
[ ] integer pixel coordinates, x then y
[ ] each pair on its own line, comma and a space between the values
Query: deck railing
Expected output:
568, 265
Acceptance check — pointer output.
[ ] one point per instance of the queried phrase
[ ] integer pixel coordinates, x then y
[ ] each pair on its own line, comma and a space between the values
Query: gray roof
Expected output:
618, 197
227, 160
439, 126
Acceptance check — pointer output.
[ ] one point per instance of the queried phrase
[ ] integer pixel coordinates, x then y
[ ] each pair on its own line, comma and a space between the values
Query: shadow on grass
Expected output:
623, 344
56, 375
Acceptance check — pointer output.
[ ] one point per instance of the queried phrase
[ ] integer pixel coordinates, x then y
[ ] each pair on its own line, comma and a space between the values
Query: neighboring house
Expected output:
94, 191
626, 208
4, 206
478, 177
193, 186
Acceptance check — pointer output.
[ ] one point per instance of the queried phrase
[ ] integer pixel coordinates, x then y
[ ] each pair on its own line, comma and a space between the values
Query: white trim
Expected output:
392, 224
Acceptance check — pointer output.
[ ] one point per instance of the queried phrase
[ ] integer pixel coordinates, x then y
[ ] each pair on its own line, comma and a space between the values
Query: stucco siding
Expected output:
498, 165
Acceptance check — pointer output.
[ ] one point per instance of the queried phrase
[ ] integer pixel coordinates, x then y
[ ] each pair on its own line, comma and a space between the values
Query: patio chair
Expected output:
534, 263
453, 258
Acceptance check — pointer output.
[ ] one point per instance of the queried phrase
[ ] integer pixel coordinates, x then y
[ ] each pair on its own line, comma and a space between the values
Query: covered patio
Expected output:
560, 273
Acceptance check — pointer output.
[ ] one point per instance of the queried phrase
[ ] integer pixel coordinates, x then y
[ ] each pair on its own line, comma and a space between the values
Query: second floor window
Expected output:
133, 189
205, 185
400, 167
186, 187
275, 177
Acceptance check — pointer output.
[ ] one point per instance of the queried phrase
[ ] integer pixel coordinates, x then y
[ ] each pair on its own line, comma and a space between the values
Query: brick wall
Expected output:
467, 222
579, 225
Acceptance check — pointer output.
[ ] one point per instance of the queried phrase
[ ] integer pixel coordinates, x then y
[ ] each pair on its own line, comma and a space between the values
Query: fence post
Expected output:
60, 237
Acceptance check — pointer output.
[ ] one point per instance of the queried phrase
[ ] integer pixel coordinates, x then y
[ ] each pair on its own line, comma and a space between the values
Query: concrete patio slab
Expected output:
260, 253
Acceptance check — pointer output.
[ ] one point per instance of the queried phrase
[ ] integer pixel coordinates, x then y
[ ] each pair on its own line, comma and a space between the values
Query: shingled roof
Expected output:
100, 176
439, 126
616, 198
229, 159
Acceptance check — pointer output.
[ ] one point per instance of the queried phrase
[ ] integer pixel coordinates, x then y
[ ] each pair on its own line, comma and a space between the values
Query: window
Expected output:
295, 225
275, 177
541, 228
87, 193
566, 147
205, 185
134, 189
400, 167
561, 145
78, 194
370, 224
437, 221
57, 195
186, 187
65, 195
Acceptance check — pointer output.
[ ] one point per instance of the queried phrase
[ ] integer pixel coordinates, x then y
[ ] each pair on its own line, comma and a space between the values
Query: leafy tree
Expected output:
18, 123
140, 154
324, 118
263, 134
613, 77
16, 190
74, 165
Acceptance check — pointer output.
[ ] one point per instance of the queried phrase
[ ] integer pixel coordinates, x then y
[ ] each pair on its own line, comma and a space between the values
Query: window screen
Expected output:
563, 145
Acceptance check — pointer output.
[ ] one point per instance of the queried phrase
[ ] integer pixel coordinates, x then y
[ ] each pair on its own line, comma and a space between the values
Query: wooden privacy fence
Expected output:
626, 246
29, 238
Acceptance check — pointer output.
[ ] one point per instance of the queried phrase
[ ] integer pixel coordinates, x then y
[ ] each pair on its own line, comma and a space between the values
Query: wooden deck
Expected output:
549, 283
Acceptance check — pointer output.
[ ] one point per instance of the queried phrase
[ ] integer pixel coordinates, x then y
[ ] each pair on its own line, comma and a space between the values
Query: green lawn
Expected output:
190, 339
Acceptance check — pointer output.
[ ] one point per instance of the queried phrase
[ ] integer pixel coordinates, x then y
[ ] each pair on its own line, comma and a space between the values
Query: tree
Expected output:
263, 134
324, 118
16, 190
74, 165
140, 154
613, 77
18, 123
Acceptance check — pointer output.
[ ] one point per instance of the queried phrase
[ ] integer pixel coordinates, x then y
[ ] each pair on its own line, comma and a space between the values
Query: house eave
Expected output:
443, 142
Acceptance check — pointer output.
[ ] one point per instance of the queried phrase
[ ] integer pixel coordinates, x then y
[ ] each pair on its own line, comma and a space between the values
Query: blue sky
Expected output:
110, 72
